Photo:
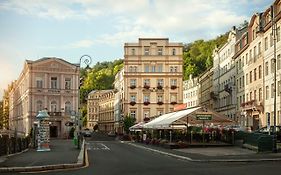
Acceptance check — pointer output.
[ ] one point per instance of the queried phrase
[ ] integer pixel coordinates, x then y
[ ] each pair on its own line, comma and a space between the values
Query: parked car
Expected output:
111, 134
86, 133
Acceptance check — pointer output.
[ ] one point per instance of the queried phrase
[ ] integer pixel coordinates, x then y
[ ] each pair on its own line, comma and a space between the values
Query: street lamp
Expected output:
274, 27
86, 60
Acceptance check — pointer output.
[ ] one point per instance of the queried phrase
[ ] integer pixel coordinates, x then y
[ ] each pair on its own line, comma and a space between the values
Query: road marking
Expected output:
97, 146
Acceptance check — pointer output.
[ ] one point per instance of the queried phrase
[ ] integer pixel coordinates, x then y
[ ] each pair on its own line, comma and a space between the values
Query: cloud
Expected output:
81, 44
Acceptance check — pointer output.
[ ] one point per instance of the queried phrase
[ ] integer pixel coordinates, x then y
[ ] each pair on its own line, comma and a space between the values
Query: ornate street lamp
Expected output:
86, 60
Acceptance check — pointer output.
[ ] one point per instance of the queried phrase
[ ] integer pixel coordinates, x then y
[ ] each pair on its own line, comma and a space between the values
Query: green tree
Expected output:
128, 122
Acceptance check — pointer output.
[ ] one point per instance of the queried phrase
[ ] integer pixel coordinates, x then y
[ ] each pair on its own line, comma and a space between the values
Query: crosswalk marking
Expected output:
97, 146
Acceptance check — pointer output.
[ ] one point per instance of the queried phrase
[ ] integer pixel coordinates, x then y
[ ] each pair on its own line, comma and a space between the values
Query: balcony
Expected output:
146, 86
228, 88
159, 86
253, 105
173, 102
146, 103
213, 95
54, 113
55, 91
160, 103
173, 87
132, 103
132, 86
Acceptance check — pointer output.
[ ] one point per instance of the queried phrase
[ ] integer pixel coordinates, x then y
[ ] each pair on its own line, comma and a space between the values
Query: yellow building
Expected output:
153, 76
47, 83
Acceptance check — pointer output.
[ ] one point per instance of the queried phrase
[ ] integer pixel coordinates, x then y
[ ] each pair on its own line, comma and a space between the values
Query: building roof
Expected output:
48, 58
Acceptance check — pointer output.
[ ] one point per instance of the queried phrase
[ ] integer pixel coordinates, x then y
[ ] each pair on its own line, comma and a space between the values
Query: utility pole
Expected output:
273, 26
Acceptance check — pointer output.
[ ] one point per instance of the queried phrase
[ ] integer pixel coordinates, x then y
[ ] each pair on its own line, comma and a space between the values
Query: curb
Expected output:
200, 160
10, 155
80, 163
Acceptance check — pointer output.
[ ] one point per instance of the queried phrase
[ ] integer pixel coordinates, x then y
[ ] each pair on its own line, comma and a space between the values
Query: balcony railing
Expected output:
54, 113
160, 103
146, 103
253, 105
159, 86
132, 103
173, 87
146, 86
133, 86
173, 102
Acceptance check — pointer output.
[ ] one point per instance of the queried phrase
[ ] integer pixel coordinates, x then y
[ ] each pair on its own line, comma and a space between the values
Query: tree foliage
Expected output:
128, 122
198, 55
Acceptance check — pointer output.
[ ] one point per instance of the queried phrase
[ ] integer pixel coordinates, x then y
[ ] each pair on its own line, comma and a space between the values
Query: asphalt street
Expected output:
109, 157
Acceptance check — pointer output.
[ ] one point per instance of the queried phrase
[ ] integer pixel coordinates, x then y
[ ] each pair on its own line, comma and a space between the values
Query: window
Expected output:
255, 53
255, 94
272, 90
278, 88
135, 68
131, 69
159, 68
53, 106
173, 98
174, 52
260, 72
133, 114
146, 98
176, 69
278, 62
255, 74
173, 82
272, 65
160, 51
246, 79
159, 98
246, 58
67, 83
260, 94
39, 82
146, 68
68, 107
133, 82
271, 40
250, 95
160, 82
259, 48
39, 105
146, 51
171, 68
133, 98
133, 52
266, 92
243, 81
250, 76
153, 68
266, 68
278, 34
54, 82
146, 82
265, 43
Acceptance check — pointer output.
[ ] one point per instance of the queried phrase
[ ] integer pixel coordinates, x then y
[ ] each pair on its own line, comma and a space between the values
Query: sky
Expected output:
68, 29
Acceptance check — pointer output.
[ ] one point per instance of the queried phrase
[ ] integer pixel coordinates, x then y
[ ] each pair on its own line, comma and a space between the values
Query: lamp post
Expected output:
274, 27
86, 60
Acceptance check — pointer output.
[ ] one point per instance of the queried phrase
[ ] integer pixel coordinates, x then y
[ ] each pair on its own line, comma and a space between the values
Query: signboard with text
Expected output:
203, 116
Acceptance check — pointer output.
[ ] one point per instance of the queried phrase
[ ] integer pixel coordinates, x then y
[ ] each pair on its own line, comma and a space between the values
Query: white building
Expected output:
190, 92
224, 78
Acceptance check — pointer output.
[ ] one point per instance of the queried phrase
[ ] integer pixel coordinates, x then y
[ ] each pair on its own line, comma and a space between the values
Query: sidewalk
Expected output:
62, 152
212, 154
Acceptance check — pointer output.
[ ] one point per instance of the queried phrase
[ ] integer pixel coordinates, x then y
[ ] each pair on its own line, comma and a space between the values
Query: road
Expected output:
109, 157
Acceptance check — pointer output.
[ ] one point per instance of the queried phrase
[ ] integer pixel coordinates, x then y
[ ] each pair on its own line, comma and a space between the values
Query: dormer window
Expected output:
174, 52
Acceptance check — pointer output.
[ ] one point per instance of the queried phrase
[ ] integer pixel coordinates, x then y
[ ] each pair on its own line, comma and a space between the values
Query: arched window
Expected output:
39, 105
53, 106
68, 107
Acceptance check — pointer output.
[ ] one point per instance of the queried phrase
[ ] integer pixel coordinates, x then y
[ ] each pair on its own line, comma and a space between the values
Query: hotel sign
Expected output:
204, 116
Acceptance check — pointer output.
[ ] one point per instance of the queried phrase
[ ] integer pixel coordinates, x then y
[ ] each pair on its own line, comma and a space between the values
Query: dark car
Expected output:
86, 133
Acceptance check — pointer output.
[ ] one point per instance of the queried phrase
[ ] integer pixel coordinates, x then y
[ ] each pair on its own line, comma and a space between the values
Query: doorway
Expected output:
256, 121
53, 131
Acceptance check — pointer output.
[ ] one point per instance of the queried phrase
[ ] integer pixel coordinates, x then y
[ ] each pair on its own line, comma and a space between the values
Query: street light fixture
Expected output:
86, 60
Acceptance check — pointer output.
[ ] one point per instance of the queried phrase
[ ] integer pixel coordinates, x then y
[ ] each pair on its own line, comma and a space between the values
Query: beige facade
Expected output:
152, 77
50, 83
106, 111
206, 89
269, 66
92, 109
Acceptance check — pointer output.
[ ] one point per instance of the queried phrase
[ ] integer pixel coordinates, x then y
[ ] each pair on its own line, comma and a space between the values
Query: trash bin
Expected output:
75, 141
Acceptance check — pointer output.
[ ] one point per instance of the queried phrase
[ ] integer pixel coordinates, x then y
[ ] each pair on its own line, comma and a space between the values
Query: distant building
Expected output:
152, 77
191, 92
92, 109
118, 101
206, 91
224, 78
47, 83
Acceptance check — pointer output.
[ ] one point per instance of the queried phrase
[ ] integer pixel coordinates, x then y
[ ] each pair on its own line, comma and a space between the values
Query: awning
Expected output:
179, 118
137, 127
